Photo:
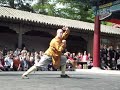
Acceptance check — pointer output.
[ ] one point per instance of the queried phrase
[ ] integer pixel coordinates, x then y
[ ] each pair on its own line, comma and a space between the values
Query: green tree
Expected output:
106, 23
45, 7
71, 9
76, 9
17, 4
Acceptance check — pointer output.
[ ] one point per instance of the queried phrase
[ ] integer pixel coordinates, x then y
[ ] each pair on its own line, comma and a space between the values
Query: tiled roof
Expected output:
39, 18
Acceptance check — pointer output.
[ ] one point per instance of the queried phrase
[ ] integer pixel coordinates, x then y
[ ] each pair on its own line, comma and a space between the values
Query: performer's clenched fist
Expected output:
66, 29
64, 42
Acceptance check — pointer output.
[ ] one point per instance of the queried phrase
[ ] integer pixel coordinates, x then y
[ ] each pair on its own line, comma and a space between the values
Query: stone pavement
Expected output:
50, 80
99, 71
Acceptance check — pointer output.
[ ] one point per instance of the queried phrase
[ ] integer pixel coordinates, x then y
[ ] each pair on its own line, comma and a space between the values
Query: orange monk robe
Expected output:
55, 49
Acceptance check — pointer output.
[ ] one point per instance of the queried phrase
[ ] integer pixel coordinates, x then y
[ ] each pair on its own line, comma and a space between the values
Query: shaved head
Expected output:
59, 33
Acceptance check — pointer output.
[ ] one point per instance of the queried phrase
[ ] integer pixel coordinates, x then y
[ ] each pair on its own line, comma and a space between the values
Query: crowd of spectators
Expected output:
18, 60
110, 58
22, 60
79, 60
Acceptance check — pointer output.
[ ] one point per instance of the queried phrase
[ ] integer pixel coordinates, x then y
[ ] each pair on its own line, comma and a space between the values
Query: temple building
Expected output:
34, 31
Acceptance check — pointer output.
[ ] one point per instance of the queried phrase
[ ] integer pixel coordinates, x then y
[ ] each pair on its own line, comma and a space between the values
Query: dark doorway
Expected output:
4, 29
39, 33
76, 44
8, 37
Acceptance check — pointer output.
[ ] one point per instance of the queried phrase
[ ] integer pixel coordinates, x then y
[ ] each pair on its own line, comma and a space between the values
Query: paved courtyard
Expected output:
50, 80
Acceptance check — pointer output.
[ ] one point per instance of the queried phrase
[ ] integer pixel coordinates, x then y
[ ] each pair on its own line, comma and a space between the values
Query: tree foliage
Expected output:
16, 4
76, 9
71, 9
44, 7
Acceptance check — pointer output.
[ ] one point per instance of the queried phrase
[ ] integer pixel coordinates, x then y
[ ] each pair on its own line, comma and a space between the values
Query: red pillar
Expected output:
96, 43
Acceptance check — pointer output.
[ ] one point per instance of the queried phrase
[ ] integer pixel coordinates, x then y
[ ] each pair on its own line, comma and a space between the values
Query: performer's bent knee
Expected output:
63, 60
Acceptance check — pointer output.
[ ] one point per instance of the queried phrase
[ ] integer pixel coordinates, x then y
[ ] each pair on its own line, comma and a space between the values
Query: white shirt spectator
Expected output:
37, 59
16, 52
8, 62
118, 61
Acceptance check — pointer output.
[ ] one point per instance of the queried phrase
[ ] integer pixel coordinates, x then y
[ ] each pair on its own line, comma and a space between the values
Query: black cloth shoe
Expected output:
65, 76
25, 77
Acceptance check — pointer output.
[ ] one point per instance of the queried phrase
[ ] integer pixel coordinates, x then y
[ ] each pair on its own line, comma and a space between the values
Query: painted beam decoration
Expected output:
105, 8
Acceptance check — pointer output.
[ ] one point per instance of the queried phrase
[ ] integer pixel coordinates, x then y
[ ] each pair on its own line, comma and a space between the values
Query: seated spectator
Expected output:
32, 59
41, 53
79, 66
113, 64
90, 64
28, 59
104, 66
37, 58
24, 50
23, 61
72, 60
16, 63
8, 62
79, 56
69, 66
16, 52
90, 61
1, 66
118, 63
1, 61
